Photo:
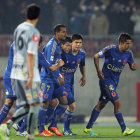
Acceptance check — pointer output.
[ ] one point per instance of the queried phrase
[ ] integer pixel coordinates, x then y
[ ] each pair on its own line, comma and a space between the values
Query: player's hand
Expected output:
100, 75
134, 66
29, 83
60, 62
82, 81
61, 79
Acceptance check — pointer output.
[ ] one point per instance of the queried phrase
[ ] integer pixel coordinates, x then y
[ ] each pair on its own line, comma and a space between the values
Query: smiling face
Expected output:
77, 45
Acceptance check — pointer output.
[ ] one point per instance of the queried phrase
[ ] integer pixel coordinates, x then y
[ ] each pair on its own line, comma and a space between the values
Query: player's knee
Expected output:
63, 100
72, 107
100, 106
54, 103
45, 104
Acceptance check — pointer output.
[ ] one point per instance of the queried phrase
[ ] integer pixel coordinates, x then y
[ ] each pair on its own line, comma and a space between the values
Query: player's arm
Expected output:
30, 61
133, 66
83, 78
96, 63
59, 64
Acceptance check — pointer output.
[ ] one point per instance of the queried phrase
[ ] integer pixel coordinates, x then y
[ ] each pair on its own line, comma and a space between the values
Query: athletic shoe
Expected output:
15, 126
68, 133
128, 131
25, 133
46, 133
90, 132
55, 130
4, 132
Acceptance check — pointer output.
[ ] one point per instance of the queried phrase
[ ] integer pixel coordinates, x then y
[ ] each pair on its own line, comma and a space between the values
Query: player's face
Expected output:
126, 45
77, 45
62, 34
66, 47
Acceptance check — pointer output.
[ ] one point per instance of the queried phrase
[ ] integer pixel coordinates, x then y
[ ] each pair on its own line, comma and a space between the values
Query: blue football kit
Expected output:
71, 62
50, 86
8, 82
112, 68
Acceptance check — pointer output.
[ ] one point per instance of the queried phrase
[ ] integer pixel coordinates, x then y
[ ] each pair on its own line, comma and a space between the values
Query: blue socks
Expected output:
94, 115
42, 118
23, 125
57, 114
67, 119
4, 112
120, 119
50, 114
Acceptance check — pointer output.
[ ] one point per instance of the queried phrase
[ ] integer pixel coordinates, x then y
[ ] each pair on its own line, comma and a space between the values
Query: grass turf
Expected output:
104, 133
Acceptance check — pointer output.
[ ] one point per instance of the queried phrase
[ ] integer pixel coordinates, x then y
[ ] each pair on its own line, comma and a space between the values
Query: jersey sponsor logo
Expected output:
35, 38
67, 70
115, 69
120, 60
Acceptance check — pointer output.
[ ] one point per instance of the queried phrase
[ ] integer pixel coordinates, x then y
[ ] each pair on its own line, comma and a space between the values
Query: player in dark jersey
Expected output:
49, 80
116, 57
72, 58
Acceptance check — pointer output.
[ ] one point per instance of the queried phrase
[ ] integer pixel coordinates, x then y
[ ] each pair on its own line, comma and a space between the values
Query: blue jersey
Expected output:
114, 63
71, 64
52, 52
42, 62
10, 62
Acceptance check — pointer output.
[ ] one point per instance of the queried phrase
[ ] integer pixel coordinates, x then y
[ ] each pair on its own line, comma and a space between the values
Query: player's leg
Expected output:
10, 98
60, 109
117, 112
47, 89
96, 110
69, 111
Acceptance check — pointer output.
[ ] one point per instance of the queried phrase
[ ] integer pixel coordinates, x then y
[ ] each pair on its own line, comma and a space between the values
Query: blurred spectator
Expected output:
116, 19
45, 23
76, 22
10, 19
59, 14
136, 19
99, 25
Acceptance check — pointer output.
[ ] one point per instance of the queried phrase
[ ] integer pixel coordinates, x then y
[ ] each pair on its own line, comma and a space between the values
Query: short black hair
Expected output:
77, 37
57, 28
68, 39
32, 11
123, 37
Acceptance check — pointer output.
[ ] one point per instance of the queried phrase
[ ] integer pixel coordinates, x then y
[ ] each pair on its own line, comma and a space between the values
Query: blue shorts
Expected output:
51, 90
69, 90
10, 88
108, 92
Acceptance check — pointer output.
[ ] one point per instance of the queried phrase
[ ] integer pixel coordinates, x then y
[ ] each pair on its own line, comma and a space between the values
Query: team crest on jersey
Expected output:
111, 87
120, 60
35, 38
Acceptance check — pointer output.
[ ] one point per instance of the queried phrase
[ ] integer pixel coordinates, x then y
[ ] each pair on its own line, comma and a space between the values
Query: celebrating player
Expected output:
116, 57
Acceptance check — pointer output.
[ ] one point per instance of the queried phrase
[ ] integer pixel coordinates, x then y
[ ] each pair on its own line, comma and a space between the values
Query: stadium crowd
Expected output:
82, 16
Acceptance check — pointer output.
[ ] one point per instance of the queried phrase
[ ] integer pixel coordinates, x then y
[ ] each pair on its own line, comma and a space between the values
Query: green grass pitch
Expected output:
104, 133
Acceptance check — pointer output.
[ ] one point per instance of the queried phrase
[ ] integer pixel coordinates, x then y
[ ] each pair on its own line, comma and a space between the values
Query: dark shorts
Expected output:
108, 92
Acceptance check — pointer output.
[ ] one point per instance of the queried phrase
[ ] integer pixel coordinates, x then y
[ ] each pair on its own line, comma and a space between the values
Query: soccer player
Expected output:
49, 81
72, 58
116, 57
25, 70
